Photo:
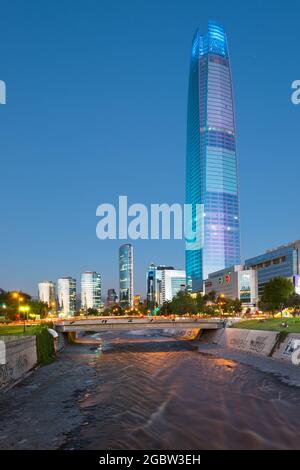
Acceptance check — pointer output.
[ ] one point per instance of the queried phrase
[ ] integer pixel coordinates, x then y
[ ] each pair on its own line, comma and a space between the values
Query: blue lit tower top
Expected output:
211, 163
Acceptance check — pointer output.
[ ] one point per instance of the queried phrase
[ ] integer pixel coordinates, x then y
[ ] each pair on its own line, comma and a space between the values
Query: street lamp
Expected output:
25, 309
20, 299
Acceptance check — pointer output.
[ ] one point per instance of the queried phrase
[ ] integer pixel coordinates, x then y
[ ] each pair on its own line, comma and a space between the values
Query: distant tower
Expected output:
151, 281
172, 282
112, 298
211, 162
163, 283
90, 290
66, 291
47, 294
126, 275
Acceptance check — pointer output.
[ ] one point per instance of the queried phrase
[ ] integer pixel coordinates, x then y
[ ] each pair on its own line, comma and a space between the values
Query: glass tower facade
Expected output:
126, 275
283, 261
211, 166
90, 290
47, 294
66, 291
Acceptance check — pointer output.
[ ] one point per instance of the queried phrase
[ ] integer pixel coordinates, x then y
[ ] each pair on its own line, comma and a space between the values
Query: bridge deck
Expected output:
136, 324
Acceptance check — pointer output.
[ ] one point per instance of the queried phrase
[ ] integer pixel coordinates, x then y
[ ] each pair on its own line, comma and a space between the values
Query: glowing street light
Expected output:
24, 309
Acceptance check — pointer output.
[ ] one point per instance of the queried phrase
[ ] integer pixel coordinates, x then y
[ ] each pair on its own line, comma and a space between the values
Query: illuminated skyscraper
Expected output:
163, 283
211, 168
90, 290
153, 284
126, 275
47, 294
66, 291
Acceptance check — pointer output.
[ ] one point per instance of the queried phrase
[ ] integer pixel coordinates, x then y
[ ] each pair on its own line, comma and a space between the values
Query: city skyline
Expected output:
49, 155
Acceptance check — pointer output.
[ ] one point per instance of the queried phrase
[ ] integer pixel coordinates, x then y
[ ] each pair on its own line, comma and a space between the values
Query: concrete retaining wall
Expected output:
19, 354
285, 349
61, 341
190, 333
264, 343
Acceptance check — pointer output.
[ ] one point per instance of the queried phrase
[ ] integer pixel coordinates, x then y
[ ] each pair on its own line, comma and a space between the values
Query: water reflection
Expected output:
156, 393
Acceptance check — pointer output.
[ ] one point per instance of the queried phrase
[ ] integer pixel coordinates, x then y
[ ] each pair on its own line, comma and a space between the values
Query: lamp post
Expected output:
20, 299
25, 309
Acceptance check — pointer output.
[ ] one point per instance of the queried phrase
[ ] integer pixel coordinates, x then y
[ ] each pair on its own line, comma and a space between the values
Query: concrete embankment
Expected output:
18, 356
190, 333
267, 351
279, 346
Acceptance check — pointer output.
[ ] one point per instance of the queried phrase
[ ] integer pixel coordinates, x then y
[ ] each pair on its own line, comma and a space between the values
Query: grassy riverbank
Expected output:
271, 324
17, 330
44, 340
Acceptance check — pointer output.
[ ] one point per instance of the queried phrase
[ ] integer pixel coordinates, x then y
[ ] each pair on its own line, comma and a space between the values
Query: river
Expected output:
158, 393
146, 391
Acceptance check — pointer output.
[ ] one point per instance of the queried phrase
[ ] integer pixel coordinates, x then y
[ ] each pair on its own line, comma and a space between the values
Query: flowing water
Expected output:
154, 392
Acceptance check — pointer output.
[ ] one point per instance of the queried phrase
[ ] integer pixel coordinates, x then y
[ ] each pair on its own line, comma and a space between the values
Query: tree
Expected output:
276, 294
181, 304
36, 307
211, 310
201, 301
10, 303
166, 308
234, 306
116, 310
92, 312
211, 296
294, 302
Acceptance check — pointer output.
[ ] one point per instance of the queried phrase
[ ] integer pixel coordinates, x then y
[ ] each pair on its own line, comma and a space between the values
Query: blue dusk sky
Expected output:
96, 107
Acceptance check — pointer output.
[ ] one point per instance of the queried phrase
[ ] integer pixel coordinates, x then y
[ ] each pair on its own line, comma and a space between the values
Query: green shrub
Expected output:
44, 346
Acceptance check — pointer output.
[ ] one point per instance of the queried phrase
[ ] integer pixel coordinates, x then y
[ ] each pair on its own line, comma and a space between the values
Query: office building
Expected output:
283, 261
211, 162
126, 275
236, 282
154, 283
90, 290
112, 297
172, 281
47, 294
66, 292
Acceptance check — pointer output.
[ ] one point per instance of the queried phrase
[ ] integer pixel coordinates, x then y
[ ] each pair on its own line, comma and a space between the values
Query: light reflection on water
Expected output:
158, 393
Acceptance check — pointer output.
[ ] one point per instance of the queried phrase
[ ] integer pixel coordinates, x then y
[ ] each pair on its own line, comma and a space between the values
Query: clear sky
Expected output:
96, 107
